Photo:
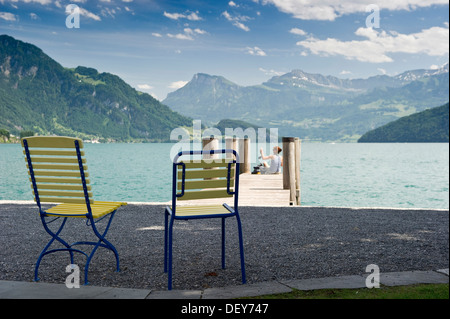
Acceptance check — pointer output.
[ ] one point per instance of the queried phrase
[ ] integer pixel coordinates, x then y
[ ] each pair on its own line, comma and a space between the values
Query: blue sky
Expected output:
157, 46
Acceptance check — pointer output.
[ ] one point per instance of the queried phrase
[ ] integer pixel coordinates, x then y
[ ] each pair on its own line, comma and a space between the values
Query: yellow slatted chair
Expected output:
197, 180
58, 175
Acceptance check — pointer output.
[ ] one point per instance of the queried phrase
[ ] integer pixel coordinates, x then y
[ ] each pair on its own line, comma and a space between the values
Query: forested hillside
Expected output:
38, 94
431, 125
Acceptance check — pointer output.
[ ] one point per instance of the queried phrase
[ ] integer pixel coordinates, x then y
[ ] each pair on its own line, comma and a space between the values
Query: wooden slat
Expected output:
52, 142
210, 173
201, 210
58, 167
55, 160
62, 193
61, 187
59, 180
203, 164
205, 194
59, 173
64, 200
99, 209
201, 184
53, 153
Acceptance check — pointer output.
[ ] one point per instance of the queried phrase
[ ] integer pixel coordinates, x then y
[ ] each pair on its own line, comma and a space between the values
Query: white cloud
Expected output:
89, 15
7, 16
255, 51
43, 2
85, 13
145, 87
178, 84
156, 34
232, 4
271, 72
193, 16
108, 12
297, 31
187, 35
195, 31
375, 49
237, 20
332, 9
174, 16
180, 36
200, 31
241, 26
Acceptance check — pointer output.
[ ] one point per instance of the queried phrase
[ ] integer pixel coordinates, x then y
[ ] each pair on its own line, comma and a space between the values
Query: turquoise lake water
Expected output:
339, 175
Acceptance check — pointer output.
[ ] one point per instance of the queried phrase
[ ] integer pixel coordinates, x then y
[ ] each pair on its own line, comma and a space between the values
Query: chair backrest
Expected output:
57, 169
205, 178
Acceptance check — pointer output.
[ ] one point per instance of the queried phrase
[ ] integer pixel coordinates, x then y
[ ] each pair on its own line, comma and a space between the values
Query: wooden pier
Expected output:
262, 190
254, 190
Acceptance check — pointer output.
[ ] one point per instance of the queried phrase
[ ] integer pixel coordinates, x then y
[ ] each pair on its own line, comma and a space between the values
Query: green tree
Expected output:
26, 134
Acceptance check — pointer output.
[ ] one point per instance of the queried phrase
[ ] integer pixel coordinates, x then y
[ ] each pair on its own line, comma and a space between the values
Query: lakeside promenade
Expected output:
281, 244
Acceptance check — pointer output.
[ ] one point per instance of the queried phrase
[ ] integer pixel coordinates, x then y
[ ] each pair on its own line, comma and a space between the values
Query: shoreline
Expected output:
31, 202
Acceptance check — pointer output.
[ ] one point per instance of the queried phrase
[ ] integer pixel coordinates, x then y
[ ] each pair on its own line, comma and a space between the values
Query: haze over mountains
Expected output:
313, 106
38, 94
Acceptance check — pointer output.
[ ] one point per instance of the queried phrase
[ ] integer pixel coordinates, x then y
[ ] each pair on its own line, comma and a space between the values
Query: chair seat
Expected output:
202, 211
99, 209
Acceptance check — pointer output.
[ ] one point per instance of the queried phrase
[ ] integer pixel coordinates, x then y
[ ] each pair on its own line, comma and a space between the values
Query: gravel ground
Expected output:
279, 243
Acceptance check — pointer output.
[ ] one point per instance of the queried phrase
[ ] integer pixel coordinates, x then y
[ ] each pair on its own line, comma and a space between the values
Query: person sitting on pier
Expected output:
276, 161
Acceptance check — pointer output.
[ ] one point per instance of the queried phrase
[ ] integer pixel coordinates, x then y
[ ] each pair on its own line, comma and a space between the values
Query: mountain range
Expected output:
38, 94
313, 106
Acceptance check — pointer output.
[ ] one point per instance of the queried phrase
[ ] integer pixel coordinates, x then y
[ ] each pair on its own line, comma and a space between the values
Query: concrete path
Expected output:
33, 290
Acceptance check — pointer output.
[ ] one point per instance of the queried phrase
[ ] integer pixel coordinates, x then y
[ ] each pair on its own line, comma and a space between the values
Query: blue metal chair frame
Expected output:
102, 242
233, 212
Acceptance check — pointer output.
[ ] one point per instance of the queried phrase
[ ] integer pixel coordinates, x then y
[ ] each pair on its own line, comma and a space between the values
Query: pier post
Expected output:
298, 145
241, 146
246, 165
210, 143
286, 161
291, 168
230, 143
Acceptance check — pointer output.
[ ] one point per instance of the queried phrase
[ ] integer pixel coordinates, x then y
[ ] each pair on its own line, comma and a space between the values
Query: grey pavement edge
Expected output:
36, 290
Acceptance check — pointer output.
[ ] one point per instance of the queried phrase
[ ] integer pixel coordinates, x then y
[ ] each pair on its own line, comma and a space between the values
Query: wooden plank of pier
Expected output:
262, 190
255, 190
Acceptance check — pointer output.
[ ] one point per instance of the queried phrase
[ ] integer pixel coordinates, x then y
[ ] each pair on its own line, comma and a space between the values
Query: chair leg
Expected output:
170, 235
105, 244
223, 243
45, 251
166, 218
241, 248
